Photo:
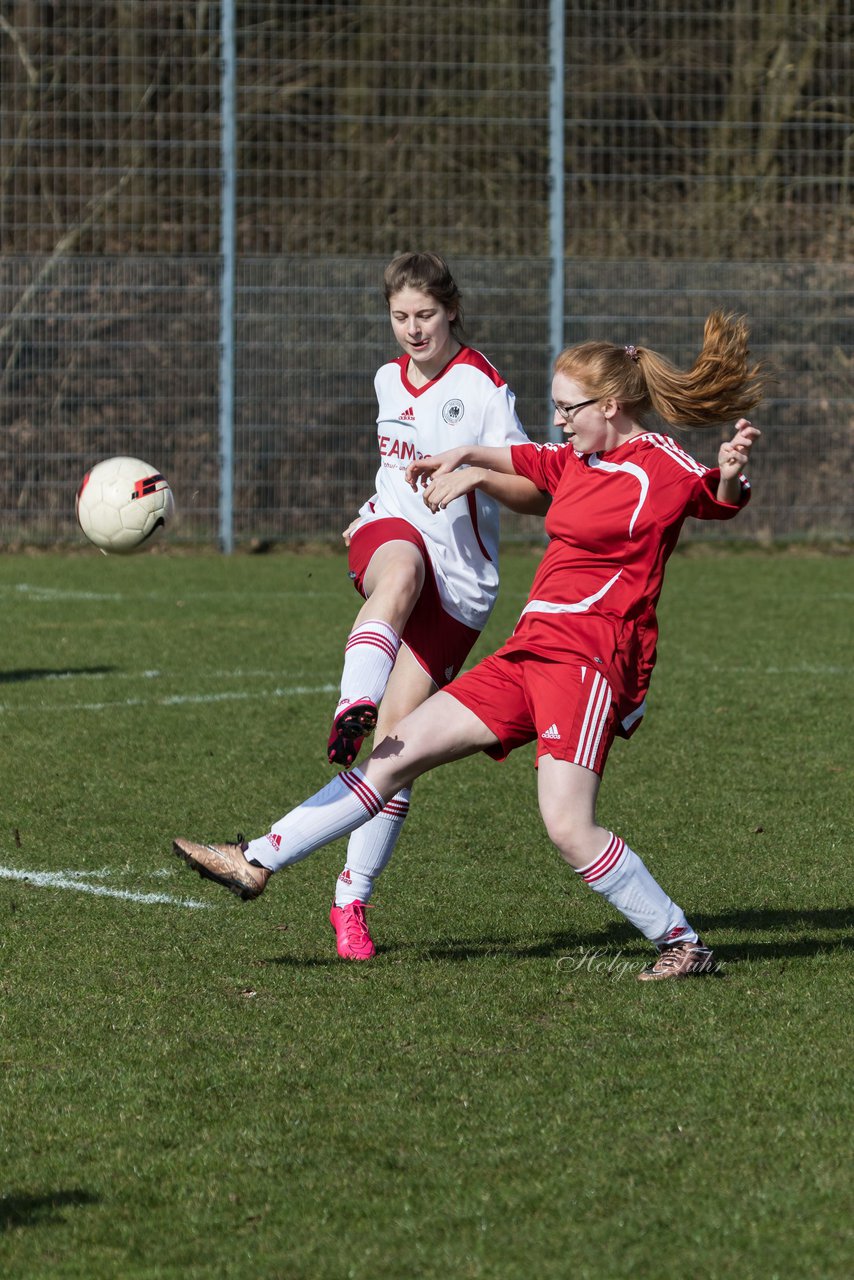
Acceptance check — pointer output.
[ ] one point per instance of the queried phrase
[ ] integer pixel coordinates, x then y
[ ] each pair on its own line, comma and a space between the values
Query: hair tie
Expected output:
632, 352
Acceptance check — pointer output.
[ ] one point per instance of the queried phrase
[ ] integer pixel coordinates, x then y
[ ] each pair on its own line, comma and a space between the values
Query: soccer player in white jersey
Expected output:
429, 577
575, 671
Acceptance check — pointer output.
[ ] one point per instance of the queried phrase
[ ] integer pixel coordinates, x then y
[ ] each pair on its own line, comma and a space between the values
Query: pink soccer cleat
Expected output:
350, 727
351, 931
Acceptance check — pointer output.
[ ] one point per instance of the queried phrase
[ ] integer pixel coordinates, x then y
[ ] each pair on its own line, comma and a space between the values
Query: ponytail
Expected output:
720, 386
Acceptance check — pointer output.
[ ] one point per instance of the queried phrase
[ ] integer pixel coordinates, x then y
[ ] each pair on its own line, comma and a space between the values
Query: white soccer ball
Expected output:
122, 503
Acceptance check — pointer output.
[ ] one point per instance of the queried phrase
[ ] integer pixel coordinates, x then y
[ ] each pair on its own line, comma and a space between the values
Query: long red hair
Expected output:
721, 385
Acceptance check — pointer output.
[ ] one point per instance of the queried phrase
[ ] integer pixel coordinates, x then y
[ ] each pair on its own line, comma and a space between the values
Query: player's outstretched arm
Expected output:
514, 492
517, 493
732, 459
474, 455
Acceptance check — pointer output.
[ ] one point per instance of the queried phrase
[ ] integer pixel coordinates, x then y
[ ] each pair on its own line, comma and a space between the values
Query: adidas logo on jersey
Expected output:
408, 415
551, 734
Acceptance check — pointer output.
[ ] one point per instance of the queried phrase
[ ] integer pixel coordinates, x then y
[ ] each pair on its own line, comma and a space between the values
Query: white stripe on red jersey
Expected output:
676, 452
579, 606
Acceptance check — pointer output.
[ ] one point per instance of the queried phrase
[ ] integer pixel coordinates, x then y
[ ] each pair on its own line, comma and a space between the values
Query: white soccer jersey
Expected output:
467, 403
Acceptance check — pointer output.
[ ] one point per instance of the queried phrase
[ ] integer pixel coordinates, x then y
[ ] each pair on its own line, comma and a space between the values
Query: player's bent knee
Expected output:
571, 839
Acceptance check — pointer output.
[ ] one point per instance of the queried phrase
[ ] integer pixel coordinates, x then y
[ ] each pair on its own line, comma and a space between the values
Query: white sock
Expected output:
369, 851
369, 656
620, 876
341, 806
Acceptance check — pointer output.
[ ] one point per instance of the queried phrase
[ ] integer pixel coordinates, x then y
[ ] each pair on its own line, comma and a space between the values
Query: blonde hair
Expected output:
428, 273
720, 385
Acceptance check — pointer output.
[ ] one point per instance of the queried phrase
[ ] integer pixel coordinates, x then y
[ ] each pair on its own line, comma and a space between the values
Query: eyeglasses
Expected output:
568, 411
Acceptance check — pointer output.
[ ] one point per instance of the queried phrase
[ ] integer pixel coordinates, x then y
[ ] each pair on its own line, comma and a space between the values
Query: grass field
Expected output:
195, 1087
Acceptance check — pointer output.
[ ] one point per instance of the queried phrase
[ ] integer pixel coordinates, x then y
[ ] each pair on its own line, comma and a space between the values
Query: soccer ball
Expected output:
121, 503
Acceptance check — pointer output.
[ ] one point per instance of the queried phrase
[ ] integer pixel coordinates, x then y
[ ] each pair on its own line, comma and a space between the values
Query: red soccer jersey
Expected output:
614, 520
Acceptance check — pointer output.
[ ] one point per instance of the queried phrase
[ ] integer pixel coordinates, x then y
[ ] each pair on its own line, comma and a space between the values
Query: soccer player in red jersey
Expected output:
575, 672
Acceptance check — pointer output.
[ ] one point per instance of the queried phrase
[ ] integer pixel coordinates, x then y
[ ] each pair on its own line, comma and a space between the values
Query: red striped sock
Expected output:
607, 861
343, 804
621, 877
369, 656
369, 850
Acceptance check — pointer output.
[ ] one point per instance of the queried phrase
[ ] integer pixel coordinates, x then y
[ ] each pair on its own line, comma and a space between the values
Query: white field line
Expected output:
808, 669
71, 880
43, 595
797, 669
174, 700
773, 669
57, 593
239, 673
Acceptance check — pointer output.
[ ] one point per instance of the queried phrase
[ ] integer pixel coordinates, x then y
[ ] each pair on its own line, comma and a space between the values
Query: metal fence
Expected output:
706, 158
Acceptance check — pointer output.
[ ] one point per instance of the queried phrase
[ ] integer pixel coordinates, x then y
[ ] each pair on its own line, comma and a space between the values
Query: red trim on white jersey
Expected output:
468, 402
465, 355
477, 360
471, 499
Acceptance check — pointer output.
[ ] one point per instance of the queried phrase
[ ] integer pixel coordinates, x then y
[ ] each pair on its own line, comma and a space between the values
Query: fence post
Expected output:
228, 161
557, 46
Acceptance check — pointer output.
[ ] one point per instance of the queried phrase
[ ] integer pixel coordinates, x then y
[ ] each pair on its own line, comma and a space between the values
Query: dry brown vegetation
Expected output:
694, 135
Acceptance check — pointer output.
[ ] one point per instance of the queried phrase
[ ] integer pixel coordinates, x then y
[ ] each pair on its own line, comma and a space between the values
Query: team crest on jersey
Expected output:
452, 411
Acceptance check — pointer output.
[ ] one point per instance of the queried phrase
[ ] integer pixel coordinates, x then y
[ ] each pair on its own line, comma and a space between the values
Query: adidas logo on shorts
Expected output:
551, 734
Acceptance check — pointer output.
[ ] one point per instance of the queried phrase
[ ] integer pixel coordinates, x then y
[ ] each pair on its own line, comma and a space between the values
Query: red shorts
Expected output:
566, 706
439, 643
